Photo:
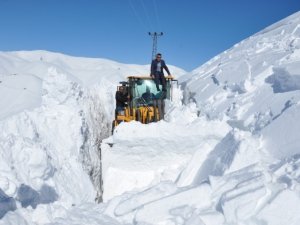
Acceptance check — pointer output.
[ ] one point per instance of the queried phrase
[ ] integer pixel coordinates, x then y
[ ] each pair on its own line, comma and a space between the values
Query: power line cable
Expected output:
156, 15
147, 15
143, 25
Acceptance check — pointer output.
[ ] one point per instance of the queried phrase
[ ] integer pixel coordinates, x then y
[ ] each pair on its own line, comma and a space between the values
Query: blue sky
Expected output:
194, 30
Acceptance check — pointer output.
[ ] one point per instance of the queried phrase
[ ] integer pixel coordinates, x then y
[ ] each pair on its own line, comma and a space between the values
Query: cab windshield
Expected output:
145, 91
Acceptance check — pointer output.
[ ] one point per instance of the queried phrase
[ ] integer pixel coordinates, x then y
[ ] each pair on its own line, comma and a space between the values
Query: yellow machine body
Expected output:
144, 110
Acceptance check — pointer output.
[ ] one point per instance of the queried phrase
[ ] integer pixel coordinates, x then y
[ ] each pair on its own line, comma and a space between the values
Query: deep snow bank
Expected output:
40, 161
256, 85
56, 111
41, 149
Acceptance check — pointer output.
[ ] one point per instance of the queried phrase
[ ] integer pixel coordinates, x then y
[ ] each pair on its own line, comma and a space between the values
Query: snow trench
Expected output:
96, 126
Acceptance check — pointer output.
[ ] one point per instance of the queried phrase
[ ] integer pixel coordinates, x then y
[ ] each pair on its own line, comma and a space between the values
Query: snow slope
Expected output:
256, 84
22, 75
228, 156
239, 148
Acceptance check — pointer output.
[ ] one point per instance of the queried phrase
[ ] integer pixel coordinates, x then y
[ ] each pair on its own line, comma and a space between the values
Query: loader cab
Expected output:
145, 104
145, 86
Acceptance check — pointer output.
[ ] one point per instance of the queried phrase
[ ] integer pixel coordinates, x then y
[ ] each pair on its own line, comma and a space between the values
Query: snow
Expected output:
227, 152
290, 216
22, 75
53, 120
144, 155
285, 141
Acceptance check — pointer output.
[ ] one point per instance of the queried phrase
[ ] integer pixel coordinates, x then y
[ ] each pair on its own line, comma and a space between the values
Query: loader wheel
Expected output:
138, 116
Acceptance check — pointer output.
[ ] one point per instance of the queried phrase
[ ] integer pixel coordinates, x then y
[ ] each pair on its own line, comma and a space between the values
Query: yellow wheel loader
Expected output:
144, 103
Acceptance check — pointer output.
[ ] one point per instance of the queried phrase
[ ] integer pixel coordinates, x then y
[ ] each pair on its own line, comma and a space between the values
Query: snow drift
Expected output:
255, 84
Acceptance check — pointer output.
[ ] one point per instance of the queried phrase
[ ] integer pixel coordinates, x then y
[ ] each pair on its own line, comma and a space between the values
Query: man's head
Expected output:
122, 89
158, 56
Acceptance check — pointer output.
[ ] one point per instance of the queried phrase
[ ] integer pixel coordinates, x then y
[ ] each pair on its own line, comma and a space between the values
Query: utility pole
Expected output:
154, 36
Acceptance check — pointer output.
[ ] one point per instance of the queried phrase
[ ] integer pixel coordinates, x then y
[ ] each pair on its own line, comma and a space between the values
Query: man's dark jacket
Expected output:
163, 66
121, 99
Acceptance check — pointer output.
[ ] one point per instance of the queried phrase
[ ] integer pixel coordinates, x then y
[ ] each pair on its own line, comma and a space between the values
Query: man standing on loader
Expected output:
157, 72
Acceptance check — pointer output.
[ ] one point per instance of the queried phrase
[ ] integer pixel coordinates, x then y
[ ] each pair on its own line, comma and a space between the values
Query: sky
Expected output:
194, 30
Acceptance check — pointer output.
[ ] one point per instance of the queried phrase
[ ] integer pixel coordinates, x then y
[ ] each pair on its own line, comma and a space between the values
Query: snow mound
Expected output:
256, 85
144, 155
40, 149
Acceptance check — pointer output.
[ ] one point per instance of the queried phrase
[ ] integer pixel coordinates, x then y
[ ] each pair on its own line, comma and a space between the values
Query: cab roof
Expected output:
147, 77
